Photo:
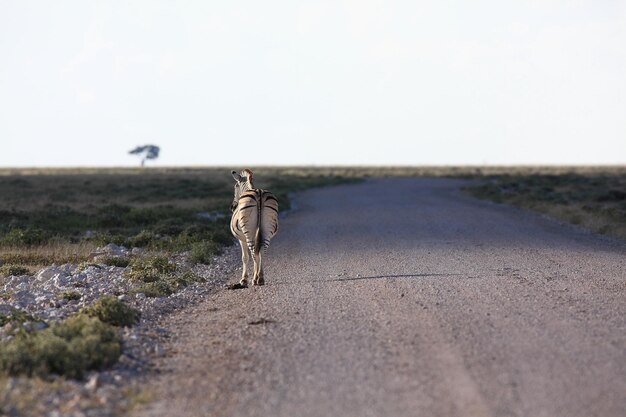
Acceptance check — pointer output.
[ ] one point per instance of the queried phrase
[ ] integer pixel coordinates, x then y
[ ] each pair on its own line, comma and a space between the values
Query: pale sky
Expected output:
313, 82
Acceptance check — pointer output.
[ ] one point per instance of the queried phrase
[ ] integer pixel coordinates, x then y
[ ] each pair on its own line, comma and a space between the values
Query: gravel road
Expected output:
404, 297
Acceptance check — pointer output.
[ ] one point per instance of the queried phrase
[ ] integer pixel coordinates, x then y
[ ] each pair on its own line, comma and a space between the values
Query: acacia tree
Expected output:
146, 152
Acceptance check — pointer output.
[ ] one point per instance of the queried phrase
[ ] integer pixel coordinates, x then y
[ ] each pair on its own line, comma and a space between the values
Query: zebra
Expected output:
254, 223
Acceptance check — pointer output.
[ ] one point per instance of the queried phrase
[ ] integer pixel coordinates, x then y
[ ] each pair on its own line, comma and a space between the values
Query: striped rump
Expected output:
255, 219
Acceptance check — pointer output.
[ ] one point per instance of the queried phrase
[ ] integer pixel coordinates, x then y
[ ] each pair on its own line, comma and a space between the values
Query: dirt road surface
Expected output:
404, 297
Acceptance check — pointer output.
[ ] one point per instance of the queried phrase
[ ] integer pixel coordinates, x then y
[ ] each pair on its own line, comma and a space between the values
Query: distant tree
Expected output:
146, 152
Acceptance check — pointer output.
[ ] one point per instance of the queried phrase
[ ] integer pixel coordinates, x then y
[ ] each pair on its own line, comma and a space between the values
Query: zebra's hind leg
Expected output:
245, 258
258, 270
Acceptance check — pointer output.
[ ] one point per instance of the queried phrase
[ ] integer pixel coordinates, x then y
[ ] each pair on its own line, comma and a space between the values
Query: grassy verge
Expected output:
595, 200
59, 216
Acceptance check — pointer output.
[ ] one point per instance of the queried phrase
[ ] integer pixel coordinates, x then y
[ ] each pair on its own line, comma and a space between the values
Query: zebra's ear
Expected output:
236, 176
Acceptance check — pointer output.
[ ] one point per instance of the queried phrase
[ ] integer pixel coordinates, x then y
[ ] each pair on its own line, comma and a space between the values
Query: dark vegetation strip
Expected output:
596, 201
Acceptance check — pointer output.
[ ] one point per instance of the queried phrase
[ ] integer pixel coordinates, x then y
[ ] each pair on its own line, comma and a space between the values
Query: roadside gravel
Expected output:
112, 392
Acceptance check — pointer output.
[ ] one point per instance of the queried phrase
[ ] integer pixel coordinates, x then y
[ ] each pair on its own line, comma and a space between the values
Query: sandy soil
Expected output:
403, 297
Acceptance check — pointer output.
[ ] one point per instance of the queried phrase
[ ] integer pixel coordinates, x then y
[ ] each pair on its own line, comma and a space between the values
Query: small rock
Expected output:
158, 350
17, 283
60, 280
80, 277
137, 251
93, 383
31, 326
11, 383
5, 309
122, 297
140, 296
50, 272
111, 250
23, 298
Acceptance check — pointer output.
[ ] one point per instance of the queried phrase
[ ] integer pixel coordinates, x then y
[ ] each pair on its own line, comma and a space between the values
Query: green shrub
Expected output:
203, 252
24, 237
113, 311
78, 344
185, 279
70, 295
11, 269
167, 284
161, 288
143, 238
150, 269
119, 261
16, 316
84, 265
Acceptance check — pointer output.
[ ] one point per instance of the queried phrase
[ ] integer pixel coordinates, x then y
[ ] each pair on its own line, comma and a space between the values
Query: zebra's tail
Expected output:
268, 221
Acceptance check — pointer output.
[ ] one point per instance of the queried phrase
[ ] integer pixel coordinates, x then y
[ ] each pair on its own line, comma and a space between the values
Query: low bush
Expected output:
119, 261
24, 237
161, 288
203, 252
16, 315
113, 311
143, 238
70, 348
70, 295
150, 269
167, 284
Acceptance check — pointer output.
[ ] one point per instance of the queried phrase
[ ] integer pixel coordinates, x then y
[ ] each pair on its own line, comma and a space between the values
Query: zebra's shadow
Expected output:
357, 278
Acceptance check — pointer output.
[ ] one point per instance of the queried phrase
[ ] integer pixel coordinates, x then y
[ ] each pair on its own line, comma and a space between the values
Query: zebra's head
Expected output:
243, 183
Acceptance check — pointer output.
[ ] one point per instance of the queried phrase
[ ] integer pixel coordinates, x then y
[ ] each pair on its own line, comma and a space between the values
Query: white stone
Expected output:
50, 272
93, 383
138, 251
17, 283
5, 309
60, 280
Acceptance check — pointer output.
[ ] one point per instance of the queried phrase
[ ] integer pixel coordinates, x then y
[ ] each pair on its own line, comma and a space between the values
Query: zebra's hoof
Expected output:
237, 286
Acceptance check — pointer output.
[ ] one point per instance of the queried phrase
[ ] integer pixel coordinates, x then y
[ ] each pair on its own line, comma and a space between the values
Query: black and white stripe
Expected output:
254, 222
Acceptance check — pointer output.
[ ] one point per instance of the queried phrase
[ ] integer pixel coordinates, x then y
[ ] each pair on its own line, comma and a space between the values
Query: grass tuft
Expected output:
113, 311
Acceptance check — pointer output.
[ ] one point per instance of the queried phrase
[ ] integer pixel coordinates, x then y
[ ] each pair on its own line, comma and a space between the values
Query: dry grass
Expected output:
39, 256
